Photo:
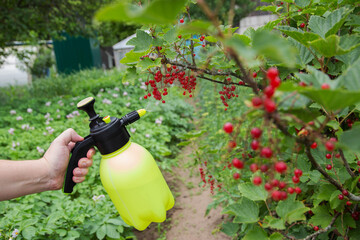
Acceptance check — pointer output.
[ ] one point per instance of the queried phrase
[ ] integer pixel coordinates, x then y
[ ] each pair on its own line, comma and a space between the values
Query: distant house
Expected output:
120, 49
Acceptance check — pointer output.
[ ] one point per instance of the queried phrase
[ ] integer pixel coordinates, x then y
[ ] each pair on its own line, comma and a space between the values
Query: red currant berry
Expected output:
282, 185
358, 163
264, 168
238, 163
341, 197
255, 132
276, 195
337, 155
314, 145
302, 25
256, 102
272, 73
269, 91
254, 145
345, 192
257, 181
236, 176
280, 167
268, 186
181, 20
232, 144
297, 190
348, 203
316, 228
328, 155
298, 172
266, 152
145, 96
179, 36
269, 105
295, 179
254, 167
328, 167
283, 195
275, 182
290, 190
276, 82
254, 75
228, 127
163, 101
302, 84
325, 86
329, 145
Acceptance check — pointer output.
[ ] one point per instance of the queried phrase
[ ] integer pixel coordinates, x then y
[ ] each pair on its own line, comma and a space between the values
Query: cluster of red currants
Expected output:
227, 93
266, 100
160, 81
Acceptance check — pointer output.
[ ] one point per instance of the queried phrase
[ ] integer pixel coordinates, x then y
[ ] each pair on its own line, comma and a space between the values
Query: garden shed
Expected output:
120, 49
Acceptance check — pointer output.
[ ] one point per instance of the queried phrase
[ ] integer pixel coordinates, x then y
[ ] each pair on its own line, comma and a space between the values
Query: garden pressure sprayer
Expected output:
128, 172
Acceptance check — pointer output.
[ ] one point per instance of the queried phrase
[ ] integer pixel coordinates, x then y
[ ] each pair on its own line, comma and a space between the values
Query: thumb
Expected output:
68, 136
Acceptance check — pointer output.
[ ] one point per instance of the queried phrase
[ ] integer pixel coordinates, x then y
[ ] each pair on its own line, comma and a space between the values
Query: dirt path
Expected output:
187, 220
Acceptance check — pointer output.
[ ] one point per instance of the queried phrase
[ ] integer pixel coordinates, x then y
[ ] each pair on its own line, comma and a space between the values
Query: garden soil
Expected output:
187, 220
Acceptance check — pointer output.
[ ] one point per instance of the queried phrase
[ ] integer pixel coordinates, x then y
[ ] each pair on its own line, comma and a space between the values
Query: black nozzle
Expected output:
87, 105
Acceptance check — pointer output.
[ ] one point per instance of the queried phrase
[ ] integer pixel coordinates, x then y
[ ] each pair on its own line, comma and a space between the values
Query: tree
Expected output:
240, 9
296, 144
33, 21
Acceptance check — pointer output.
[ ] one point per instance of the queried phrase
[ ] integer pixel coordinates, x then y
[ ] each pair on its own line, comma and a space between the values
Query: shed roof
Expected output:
122, 43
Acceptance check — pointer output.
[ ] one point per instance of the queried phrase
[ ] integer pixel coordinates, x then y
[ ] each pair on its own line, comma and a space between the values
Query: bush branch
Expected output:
325, 229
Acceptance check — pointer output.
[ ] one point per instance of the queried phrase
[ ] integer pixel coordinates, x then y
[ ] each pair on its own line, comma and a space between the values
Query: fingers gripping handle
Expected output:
79, 151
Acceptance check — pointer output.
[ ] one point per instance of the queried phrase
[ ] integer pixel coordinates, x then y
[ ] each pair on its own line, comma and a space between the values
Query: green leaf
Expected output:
316, 78
276, 236
325, 192
116, 221
302, 3
111, 231
321, 216
332, 99
170, 36
332, 46
230, 228
130, 75
253, 192
147, 63
304, 55
256, 233
291, 211
334, 200
74, 234
132, 57
299, 35
329, 25
101, 232
196, 27
274, 47
245, 211
141, 42
29, 232
156, 12
350, 139
61, 232
350, 77
343, 222
275, 223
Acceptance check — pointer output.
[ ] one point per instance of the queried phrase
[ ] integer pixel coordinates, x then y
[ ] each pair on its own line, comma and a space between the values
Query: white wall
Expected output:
255, 22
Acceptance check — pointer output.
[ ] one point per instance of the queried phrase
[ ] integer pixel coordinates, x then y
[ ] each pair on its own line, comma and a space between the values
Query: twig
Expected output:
215, 81
326, 175
325, 229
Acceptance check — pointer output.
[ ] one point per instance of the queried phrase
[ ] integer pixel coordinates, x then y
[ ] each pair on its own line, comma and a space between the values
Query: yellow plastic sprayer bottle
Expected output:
128, 172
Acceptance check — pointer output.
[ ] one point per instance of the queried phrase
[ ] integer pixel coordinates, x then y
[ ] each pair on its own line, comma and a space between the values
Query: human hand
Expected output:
57, 156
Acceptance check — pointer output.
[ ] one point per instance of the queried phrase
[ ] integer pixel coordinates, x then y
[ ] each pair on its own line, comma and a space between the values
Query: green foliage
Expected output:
88, 212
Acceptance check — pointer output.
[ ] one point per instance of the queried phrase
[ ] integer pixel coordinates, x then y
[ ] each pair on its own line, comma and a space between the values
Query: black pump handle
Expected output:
79, 151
